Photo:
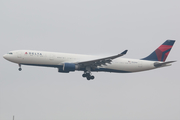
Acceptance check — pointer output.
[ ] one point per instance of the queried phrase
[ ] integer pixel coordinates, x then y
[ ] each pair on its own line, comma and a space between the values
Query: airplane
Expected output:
66, 62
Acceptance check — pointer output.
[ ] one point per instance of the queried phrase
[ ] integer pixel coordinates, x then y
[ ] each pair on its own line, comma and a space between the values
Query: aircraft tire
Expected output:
88, 78
84, 75
92, 77
20, 69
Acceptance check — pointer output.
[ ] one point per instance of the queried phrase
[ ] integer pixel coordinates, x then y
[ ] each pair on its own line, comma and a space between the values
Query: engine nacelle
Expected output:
67, 67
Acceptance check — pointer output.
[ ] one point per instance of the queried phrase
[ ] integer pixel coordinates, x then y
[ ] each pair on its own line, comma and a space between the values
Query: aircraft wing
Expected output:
100, 62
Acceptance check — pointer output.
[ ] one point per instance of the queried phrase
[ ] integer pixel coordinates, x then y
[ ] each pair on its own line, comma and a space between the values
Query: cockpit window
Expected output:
10, 53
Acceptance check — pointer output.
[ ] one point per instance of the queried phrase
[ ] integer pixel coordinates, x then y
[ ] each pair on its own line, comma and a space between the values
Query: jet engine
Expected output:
67, 67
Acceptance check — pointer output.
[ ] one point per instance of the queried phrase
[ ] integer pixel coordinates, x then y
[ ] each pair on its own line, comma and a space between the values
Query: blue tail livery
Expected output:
161, 53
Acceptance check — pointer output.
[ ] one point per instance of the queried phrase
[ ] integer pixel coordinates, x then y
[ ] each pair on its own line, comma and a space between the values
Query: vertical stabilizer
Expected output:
161, 53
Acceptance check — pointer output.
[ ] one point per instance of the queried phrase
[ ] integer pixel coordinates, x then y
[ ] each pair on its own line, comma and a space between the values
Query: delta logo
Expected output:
33, 53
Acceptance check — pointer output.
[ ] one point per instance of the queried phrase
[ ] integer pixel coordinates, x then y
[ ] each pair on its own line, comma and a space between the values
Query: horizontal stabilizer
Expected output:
157, 64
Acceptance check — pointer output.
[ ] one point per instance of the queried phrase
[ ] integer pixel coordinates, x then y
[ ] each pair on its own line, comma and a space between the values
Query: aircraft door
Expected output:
19, 54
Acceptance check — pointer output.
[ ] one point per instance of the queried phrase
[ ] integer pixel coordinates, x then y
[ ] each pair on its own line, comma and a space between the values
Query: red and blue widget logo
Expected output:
162, 52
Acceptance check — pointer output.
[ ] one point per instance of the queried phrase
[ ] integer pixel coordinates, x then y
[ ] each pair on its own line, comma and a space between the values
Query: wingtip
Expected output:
124, 52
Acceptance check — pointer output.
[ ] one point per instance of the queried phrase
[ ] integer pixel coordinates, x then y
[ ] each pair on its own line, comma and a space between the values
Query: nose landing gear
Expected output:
19, 67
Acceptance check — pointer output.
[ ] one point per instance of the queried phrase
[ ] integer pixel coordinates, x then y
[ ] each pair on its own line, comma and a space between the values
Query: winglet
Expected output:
124, 52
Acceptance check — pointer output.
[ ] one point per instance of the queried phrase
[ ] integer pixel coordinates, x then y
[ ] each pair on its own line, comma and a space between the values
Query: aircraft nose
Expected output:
5, 56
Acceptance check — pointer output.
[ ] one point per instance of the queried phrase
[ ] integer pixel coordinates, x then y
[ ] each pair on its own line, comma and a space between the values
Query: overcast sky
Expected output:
92, 27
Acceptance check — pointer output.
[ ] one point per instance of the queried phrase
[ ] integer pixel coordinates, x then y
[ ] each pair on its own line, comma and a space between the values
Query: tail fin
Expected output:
161, 53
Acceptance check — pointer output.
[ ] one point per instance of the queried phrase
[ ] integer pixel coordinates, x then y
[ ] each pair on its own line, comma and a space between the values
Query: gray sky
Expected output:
94, 27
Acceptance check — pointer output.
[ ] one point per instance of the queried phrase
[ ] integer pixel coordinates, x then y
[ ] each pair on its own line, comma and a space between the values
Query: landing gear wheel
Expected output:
92, 77
88, 78
87, 73
19, 67
84, 75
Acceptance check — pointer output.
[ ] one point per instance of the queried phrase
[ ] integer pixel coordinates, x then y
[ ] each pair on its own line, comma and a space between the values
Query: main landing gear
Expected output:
19, 67
87, 74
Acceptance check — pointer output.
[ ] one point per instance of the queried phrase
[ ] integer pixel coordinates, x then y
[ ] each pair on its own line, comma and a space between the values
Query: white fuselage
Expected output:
53, 59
